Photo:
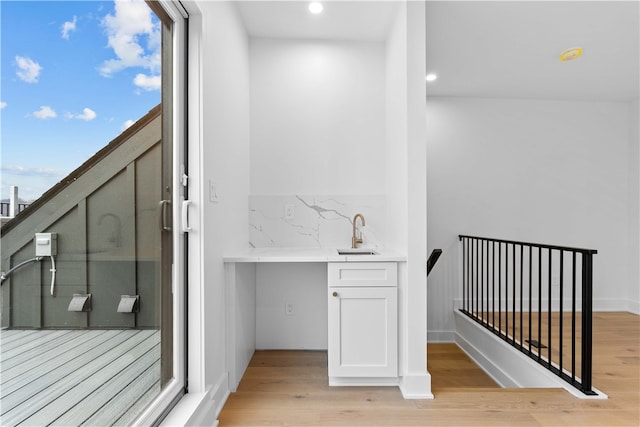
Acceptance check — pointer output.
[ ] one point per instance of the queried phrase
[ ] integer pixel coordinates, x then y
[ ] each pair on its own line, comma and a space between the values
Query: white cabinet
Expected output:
363, 322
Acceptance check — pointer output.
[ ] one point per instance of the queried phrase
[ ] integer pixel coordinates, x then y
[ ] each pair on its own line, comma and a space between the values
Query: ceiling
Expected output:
512, 48
492, 49
342, 20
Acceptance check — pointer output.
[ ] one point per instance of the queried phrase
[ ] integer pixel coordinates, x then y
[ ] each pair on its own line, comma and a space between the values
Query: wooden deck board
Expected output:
79, 373
139, 393
127, 417
35, 346
12, 338
90, 393
53, 351
41, 375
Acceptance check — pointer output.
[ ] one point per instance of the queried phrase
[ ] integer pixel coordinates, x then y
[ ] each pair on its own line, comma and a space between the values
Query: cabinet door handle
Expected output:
335, 294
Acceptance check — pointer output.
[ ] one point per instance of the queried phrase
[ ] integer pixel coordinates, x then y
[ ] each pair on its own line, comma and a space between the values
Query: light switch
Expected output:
214, 197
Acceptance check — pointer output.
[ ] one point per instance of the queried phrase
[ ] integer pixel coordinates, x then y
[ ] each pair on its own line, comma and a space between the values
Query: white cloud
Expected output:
126, 125
147, 82
45, 112
87, 115
126, 29
28, 69
2, 105
68, 27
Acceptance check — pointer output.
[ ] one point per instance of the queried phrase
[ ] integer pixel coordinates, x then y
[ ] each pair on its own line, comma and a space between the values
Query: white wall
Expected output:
304, 287
317, 117
634, 207
541, 171
225, 160
396, 133
317, 135
406, 188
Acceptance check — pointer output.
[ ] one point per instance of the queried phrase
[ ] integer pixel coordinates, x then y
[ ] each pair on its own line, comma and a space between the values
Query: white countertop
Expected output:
307, 255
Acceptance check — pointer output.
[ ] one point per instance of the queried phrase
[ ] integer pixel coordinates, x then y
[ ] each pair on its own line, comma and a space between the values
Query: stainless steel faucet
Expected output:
355, 240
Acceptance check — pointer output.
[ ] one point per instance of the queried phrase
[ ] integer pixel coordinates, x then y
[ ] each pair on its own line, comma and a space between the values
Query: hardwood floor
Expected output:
289, 388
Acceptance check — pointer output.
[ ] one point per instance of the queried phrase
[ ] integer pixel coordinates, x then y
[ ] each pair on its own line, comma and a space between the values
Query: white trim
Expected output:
633, 306
416, 386
195, 315
175, 386
506, 365
609, 304
441, 337
365, 381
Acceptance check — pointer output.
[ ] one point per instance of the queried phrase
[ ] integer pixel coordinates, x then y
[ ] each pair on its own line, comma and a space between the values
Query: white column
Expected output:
13, 201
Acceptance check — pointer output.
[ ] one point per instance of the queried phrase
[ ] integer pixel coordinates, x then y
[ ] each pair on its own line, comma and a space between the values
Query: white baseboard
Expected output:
417, 386
441, 336
219, 394
506, 365
363, 382
609, 304
633, 306
200, 409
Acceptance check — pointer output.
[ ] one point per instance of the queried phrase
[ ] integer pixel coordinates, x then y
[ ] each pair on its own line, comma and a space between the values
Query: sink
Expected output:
357, 251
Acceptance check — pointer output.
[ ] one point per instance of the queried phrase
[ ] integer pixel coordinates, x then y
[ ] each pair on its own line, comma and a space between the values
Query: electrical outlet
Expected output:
289, 212
46, 244
288, 309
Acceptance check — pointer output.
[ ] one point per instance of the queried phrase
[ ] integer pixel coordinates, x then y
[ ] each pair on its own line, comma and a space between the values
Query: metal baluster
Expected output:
561, 310
530, 287
513, 303
573, 318
549, 311
506, 291
521, 290
587, 319
464, 274
493, 284
539, 301
500, 287
481, 281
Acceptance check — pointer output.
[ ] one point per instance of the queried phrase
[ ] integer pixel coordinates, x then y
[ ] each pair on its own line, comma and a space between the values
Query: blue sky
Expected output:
73, 76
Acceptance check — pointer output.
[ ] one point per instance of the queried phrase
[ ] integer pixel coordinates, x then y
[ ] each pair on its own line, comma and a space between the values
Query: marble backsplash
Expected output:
321, 221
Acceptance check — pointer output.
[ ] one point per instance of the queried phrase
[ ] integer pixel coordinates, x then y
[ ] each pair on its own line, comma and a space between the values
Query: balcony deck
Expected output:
74, 377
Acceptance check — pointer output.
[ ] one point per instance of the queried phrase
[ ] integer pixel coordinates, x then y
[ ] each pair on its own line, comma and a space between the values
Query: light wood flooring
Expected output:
76, 377
289, 388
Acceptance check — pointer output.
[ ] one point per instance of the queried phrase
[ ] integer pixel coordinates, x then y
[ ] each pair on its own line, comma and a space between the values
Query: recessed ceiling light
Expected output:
431, 77
571, 54
315, 7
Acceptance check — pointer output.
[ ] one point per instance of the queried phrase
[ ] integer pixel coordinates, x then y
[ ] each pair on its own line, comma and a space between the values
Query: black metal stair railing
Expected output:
537, 298
433, 258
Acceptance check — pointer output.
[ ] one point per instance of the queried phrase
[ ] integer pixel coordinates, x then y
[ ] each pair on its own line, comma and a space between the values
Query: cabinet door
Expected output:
363, 332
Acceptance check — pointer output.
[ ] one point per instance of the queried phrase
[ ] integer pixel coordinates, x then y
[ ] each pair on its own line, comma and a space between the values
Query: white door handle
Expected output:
185, 216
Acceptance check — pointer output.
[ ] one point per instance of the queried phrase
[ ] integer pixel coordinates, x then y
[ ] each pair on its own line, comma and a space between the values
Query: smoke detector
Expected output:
571, 54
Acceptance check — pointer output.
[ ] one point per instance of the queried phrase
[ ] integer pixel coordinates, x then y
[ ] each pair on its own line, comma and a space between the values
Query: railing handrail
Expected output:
536, 245
433, 258
481, 267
